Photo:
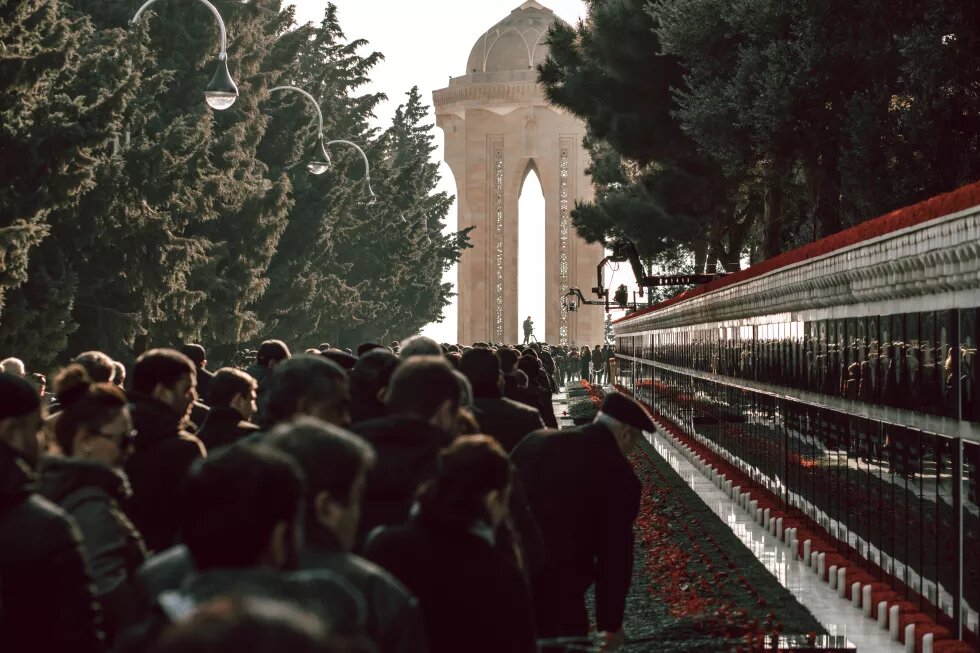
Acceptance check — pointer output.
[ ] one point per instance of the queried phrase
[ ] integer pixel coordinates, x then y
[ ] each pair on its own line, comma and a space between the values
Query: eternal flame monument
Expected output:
498, 127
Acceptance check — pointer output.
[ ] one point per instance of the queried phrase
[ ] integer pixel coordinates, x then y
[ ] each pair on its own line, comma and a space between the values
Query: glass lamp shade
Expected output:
221, 92
319, 159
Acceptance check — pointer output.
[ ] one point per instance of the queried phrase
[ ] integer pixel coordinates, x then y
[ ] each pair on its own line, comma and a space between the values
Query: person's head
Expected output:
346, 360
308, 385
167, 376
453, 358
370, 377
365, 347
508, 360
522, 380
98, 365
426, 388
335, 463
246, 624
96, 425
196, 353
13, 366
119, 378
626, 418
233, 388
242, 507
271, 353
531, 366
482, 368
420, 346
465, 390
473, 483
20, 416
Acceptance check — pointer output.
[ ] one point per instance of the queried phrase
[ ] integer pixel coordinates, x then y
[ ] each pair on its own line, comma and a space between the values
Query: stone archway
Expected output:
497, 125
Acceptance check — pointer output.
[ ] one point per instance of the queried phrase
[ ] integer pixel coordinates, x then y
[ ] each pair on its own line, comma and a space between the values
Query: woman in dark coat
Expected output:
473, 597
94, 432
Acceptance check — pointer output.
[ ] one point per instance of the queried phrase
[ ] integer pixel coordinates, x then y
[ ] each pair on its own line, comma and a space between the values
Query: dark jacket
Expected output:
584, 496
533, 396
472, 597
163, 451
199, 415
262, 377
407, 451
364, 408
394, 621
91, 493
323, 593
46, 594
223, 426
505, 419
204, 379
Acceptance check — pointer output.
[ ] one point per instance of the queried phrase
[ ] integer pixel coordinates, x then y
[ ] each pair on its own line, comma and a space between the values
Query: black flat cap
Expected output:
340, 357
17, 397
627, 410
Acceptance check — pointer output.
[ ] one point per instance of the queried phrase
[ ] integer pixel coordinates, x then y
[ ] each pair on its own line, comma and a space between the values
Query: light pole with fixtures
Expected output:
320, 160
221, 92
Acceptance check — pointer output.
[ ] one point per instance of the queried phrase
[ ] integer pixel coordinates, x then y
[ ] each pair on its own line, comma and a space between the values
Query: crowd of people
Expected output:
405, 498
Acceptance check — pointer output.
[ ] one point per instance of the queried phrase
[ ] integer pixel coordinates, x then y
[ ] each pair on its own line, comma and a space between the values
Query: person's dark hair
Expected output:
472, 466
302, 377
508, 360
246, 624
372, 373
420, 386
233, 499
453, 359
227, 383
98, 365
331, 457
530, 366
346, 360
522, 380
482, 368
93, 405
160, 366
365, 347
194, 352
271, 350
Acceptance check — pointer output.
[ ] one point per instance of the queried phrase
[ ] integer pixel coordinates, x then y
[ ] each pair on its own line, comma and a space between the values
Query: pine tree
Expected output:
65, 92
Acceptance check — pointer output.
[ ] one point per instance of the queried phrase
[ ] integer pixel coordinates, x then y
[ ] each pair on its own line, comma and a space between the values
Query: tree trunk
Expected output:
822, 179
773, 211
700, 255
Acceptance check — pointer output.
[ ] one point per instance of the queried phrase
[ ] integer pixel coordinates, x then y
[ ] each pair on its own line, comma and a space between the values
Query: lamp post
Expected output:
320, 159
221, 91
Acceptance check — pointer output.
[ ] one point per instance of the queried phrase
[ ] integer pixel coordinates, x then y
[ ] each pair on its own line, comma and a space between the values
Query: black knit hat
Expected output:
17, 397
627, 410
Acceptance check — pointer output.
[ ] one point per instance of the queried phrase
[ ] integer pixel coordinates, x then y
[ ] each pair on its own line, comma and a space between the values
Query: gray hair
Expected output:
13, 366
420, 346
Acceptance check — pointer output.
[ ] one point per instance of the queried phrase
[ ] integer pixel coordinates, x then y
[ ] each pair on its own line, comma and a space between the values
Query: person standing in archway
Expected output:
528, 329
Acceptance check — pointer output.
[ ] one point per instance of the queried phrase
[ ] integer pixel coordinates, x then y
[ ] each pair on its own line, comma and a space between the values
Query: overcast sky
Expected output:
424, 42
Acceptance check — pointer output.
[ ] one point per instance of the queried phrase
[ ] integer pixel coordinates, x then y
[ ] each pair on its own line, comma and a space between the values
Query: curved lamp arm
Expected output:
319, 114
214, 10
367, 166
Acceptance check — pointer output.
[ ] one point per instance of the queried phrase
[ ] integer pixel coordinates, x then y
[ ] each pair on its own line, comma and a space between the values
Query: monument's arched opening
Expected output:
531, 255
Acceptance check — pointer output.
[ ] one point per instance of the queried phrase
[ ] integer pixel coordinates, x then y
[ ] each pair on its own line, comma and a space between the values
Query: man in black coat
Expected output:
233, 403
336, 464
584, 494
199, 357
505, 419
423, 403
46, 595
163, 390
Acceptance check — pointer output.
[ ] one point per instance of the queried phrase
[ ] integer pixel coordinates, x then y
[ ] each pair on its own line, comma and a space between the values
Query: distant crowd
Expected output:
405, 498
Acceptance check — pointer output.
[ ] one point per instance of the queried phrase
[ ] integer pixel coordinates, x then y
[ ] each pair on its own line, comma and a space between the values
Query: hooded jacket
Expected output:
407, 451
163, 451
91, 492
46, 599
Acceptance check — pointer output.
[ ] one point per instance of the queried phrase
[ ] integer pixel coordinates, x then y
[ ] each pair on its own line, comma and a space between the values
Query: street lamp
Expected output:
319, 159
221, 91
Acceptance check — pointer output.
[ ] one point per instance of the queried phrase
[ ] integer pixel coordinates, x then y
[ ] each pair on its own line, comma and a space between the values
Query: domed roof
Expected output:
515, 43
